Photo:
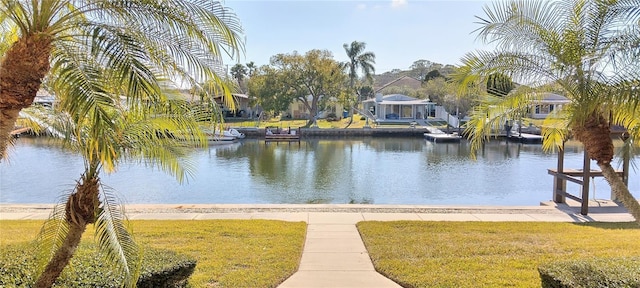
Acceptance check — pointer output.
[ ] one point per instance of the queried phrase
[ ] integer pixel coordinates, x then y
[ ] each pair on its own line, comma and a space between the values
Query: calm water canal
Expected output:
363, 170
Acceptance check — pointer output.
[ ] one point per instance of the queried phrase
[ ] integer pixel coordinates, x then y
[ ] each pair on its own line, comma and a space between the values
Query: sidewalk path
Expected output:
334, 254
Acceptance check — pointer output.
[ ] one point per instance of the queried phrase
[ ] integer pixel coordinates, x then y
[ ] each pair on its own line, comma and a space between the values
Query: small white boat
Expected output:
436, 135
218, 137
230, 133
235, 133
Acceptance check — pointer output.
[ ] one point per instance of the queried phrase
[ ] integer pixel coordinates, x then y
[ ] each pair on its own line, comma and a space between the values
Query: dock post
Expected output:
625, 162
559, 184
586, 174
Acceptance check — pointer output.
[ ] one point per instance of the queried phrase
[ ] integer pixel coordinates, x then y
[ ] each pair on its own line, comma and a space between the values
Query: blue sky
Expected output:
399, 32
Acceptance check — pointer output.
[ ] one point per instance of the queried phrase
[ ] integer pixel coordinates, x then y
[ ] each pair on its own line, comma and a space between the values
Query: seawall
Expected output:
337, 132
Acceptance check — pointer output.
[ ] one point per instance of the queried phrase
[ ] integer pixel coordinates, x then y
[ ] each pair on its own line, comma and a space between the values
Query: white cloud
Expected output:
398, 3
362, 6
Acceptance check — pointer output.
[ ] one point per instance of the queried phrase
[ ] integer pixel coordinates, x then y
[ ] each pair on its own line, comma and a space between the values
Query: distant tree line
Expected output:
316, 80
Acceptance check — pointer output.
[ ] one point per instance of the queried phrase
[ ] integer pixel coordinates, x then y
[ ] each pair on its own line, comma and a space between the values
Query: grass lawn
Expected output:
487, 254
284, 123
230, 253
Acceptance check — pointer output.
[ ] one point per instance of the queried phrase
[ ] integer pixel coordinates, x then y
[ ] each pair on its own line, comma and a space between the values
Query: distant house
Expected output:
547, 104
398, 108
242, 108
241, 101
44, 98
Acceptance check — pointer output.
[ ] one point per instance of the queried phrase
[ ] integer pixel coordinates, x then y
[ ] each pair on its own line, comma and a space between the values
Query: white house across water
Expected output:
398, 108
548, 103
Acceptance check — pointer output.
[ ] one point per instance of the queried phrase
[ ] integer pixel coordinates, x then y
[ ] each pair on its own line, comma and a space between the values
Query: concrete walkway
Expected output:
334, 254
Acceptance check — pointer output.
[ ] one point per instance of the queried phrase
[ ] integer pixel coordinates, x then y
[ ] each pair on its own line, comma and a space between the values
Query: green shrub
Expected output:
160, 268
609, 272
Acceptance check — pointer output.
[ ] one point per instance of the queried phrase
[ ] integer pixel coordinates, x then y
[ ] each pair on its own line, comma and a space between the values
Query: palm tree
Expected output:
358, 60
251, 66
110, 63
588, 49
183, 39
109, 133
239, 72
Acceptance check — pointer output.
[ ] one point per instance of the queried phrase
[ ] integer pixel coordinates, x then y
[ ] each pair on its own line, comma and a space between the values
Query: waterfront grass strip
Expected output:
487, 254
230, 253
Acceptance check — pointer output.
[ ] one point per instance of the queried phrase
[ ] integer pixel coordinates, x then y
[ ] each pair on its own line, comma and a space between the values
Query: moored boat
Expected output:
436, 135
217, 137
235, 133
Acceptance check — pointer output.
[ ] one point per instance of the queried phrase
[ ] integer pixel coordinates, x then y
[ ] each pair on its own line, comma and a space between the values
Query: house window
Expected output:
407, 111
544, 109
392, 112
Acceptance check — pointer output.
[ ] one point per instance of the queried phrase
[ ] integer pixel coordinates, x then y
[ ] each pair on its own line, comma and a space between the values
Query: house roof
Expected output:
399, 99
43, 96
43, 93
401, 82
554, 98
235, 95
240, 95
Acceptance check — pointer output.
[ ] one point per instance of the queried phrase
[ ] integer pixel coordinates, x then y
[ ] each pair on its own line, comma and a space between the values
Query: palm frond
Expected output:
161, 142
79, 83
489, 117
114, 238
52, 235
197, 32
532, 69
627, 116
217, 87
555, 130
10, 12
44, 120
629, 150
8, 34
505, 21
125, 59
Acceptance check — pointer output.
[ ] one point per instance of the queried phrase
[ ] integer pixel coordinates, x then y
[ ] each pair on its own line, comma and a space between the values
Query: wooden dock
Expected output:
282, 135
526, 138
20, 131
442, 137
577, 176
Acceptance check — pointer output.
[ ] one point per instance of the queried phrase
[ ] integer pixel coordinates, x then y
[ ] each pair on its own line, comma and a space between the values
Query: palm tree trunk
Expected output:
62, 257
80, 211
595, 135
621, 190
350, 118
21, 72
8, 119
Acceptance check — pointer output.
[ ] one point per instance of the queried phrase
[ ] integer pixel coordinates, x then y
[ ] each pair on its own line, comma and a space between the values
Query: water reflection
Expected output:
362, 170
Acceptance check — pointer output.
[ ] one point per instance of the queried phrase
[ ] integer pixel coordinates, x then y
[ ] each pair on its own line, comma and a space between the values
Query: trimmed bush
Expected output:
592, 273
160, 268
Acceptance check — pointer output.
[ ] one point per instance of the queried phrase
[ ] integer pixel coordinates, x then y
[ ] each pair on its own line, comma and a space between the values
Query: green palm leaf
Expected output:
51, 235
114, 238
